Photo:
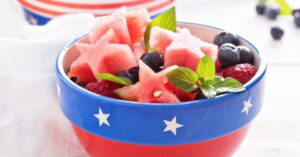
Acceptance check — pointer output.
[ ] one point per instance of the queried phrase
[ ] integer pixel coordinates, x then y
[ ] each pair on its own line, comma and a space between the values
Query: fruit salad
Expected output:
131, 57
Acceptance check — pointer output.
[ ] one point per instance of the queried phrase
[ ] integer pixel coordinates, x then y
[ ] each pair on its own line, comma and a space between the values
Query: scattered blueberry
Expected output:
297, 19
272, 12
126, 75
154, 60
246, 56
296, 11
277, 33
260, 8
228, 55
74, 79
225, 37
134, 71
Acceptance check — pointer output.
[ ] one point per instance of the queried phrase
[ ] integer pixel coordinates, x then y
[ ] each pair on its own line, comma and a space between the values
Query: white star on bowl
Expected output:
247, 106
172, 125
102, 117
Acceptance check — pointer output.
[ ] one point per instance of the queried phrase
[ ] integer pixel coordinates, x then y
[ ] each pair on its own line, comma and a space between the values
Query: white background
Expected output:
276, 131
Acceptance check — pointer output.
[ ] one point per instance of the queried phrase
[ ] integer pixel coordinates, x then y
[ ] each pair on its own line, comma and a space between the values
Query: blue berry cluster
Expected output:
230, 50
270, 11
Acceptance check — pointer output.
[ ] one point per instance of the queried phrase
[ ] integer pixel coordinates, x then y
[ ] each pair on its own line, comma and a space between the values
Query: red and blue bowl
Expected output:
39, 12
110, 127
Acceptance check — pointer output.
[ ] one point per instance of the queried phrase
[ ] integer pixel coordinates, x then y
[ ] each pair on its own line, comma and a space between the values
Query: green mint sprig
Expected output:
204, 79
167, 20
116, 79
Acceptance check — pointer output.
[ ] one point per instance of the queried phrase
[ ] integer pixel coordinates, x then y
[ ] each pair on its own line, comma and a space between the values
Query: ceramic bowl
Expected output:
39, 12
110, 127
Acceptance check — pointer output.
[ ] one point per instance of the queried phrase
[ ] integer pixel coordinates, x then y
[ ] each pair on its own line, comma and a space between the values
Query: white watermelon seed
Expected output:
165, 81
157, 93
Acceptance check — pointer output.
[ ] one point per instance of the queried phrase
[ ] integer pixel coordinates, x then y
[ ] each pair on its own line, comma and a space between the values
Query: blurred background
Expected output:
276, 132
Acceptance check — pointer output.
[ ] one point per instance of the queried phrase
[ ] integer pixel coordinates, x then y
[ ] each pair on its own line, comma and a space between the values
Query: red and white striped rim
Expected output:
96, 5
40, 10
51, 10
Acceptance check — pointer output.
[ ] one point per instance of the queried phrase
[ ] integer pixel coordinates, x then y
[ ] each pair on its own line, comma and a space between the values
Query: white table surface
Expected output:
276, 131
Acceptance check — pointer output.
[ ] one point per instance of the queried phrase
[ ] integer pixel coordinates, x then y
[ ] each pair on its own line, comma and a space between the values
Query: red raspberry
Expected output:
105, 88
240, 72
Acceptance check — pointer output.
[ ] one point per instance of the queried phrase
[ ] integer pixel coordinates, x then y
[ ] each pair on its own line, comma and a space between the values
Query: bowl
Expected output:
110, 127
39, 12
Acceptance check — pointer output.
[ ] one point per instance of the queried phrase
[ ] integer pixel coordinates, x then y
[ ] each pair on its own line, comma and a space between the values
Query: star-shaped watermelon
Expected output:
180, 48
102, 57
151, 88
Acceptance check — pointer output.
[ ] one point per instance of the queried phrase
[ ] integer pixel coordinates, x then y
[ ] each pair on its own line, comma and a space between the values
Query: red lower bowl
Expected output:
223, 146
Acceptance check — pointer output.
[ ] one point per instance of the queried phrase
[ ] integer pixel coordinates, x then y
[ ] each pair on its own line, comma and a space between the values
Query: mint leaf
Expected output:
206, 68
209, 91
116, 79
167, 20
285, 9
183, 78
227, 85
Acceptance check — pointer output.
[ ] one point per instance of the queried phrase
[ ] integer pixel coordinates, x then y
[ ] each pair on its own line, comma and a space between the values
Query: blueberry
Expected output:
296, 11
272, 12
277, 33
297, 19
126, 75
134, 71
225, 37
199, 95
154, 60
246, 56
74, 78
260, 8
228, 55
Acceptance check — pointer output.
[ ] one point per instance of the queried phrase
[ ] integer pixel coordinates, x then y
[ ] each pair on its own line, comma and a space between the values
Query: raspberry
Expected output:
240, 72
105, 88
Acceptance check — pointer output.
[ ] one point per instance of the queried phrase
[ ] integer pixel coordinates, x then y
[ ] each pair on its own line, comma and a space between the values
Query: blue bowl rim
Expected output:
60, 73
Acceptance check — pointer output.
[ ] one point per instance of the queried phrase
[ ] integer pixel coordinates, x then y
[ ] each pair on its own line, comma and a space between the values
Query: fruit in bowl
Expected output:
158, 88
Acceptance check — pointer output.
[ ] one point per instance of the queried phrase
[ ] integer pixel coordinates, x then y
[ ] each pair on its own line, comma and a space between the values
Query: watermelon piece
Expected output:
180, 48
138, 49
150, 89
111, 58
137, 22
160, 39
82, 72
181, 95
80, 68
184, 51
116, 21
129, 26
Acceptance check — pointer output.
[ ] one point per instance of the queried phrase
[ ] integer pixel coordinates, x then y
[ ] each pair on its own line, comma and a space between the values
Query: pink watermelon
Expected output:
80, 68
116, 21
111, 58
137, 22
138, 49
151, 88
181, 48
82, 72
129, 26
160, 39
181, 95
183, 51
